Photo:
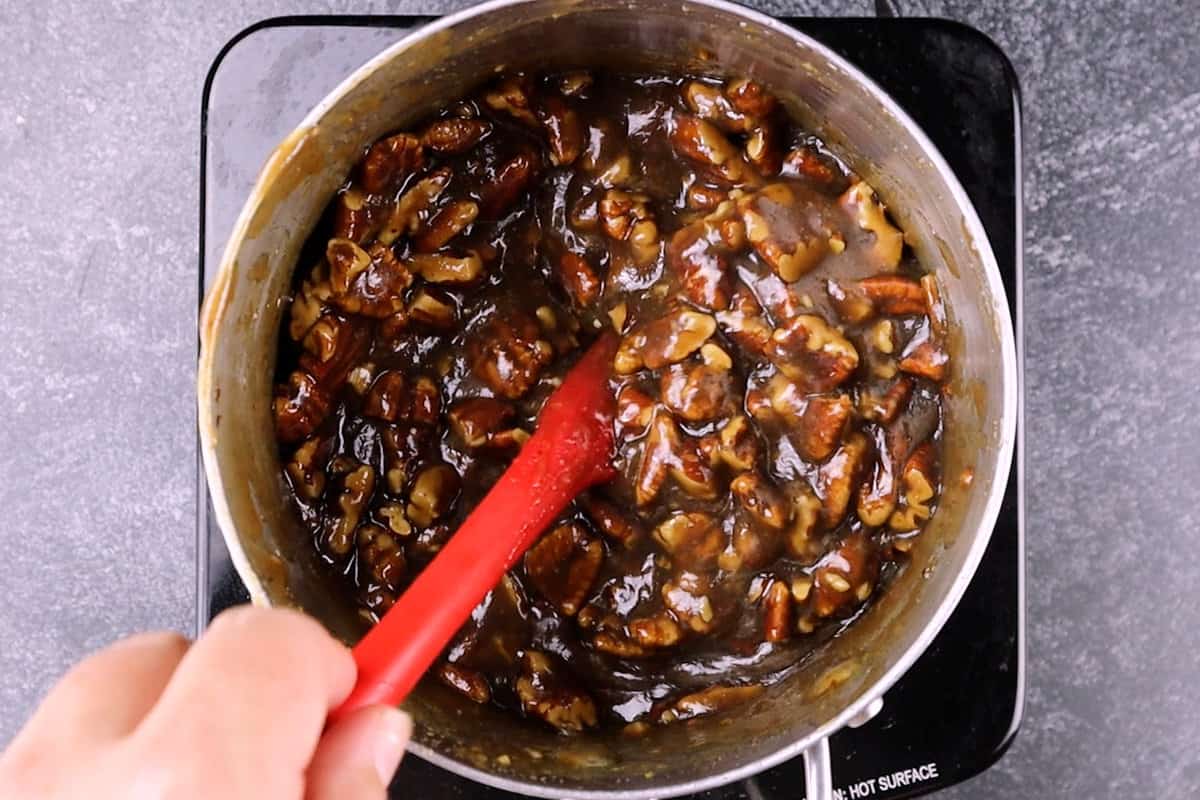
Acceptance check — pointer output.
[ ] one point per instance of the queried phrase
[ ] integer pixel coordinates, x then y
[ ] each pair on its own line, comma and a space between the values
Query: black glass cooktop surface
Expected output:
955, 712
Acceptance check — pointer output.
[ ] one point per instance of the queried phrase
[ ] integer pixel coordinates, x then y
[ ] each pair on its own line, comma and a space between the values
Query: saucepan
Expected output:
844, 681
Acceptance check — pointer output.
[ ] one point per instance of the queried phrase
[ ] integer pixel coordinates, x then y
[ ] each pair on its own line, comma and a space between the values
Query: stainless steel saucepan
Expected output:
449, 58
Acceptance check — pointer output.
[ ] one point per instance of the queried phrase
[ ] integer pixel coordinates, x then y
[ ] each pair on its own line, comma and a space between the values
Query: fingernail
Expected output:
393, 728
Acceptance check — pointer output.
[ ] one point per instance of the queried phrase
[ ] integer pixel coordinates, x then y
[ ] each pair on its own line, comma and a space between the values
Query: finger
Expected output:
106, 695
253, 691
358, 756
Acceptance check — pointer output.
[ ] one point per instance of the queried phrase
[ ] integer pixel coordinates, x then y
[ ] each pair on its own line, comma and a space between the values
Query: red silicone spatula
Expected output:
570, 450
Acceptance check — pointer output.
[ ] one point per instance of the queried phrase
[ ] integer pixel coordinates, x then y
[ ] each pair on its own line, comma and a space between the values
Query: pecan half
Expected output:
655, 632
635, 409
749, 97
894, 294
812, 353
669, 453
467, 682
777, 612
454, 135
626, 217
563, 564
697, 253
703, 143
481, 422
762, 501
778, 234
665, 340
845, 576
920, 486
433, 307
884, 409
809, 162
736, 445
744, 322
698, 392
443, 268
839, 476
370, 283
689, 597
512, 96
387, 398
869, 213
764, 146
357, 487
414, 204
925, 358
712, 700
508, 355
303, 403
564, 130
577, 277
356, 216
306, 468
610, 521
389, 161
505, 187
800, 538
693, 539
452, 220
380, 557
821, 425
545, 692
433, 492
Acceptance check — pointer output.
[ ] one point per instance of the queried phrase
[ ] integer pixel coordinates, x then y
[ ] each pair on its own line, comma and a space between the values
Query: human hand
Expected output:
239, 714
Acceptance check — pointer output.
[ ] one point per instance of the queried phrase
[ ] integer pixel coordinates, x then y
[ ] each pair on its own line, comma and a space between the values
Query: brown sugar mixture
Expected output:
778, 385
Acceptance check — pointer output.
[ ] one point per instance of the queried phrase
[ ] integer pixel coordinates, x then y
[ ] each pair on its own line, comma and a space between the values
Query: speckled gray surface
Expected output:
99, 127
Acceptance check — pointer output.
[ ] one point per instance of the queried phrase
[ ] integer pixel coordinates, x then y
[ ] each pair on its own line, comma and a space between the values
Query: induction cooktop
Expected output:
957, 709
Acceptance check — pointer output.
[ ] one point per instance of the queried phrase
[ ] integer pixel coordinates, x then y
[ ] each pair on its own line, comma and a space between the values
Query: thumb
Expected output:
357, 757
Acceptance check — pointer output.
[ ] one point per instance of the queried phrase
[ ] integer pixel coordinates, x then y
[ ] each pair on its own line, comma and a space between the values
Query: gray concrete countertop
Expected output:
99, 130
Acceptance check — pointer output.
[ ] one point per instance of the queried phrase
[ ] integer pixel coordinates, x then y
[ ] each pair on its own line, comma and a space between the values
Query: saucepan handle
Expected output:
818, 773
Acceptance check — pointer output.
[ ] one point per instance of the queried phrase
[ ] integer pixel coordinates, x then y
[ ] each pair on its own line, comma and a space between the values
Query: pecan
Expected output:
306, 469
627, 217
511, 96
397, 520
920, 486
933, 305
665, 340
563, 564
546, 693
925, 358
618, 645
844, 576
309, 303
355, 216
668, 453
393, 326
655, 632
810, 352
564, 130
839, 476
893, 294
712, 700
413, 205
387, 397
809, 162
380, 557
735, 444
688, 598
370, 283
849, 302
433, 493
402, 447
704, 198
703, 142
389, 161
443, 268
452, 220
697, 393
800, 539
426, 402
764, 147
473, 685
454, 134
481, 422
744, 322
303, 403
777, 612
609, 520
433, 307
885, 409
865, 208
751, 547
821, 425
761, 500
697, 254
749, 97
878, 493
635, 409
507, 354
501, 190
357, 487
581, 282
708, 103
778, 235
693, 539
